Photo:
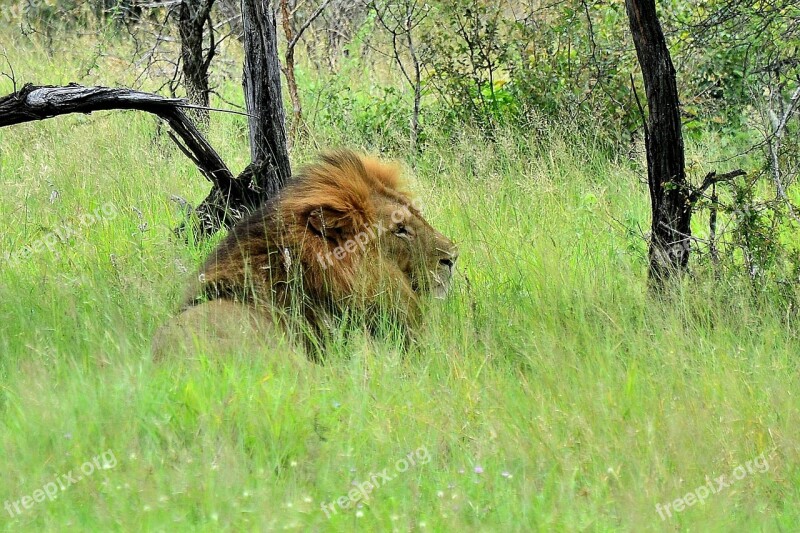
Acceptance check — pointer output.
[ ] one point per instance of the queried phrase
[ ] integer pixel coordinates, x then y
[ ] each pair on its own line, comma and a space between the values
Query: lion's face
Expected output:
407, 242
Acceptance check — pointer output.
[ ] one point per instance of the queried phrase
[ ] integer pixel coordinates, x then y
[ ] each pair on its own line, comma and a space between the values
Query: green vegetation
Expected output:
549, 393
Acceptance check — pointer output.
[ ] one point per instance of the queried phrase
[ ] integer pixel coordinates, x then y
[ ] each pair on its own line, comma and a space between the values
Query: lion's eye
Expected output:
401, 231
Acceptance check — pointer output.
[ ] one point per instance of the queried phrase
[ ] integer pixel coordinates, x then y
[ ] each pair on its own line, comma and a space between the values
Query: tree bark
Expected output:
263, 99
230, 198
193, 17
417, 84
669, 195
288, 72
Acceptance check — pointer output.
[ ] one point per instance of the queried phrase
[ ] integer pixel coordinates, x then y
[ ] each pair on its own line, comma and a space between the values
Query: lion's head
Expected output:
344, 238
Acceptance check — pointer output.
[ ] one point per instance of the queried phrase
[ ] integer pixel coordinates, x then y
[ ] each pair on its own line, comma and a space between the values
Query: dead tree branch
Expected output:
712, 179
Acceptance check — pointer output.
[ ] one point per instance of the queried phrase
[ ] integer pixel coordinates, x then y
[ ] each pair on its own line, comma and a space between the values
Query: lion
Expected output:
344, 242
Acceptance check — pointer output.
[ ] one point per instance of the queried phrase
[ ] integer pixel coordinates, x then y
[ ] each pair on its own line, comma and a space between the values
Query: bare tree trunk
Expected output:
288, 71
263, 99
779, 121
193, 17
669, 195
417, 83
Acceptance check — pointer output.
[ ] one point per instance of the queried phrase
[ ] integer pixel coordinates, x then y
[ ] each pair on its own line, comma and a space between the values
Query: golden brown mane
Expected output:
278, 261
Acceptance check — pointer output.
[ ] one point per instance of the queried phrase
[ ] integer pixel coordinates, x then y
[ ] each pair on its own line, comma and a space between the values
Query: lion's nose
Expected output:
448, 253
450, 260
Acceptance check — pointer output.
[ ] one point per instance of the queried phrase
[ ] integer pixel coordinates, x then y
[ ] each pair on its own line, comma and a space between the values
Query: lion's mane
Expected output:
272, 259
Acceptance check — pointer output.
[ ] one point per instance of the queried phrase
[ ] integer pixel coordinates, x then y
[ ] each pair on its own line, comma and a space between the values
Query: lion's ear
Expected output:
332, 224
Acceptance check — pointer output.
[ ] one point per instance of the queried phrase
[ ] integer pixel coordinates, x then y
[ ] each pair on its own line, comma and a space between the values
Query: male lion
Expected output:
342, 242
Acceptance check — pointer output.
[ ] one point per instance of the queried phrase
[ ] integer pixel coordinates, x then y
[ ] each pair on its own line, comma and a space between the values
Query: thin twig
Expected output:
217, 109
12, 76
307, 23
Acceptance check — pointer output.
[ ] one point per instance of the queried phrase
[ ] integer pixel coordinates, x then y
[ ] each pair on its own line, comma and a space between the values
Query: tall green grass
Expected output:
549, 393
